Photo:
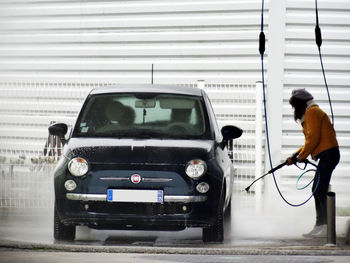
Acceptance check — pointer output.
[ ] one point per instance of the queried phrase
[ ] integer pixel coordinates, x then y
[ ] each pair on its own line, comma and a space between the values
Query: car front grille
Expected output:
141, 209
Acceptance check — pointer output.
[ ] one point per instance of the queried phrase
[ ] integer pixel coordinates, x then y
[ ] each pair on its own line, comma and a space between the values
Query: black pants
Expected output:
328, 161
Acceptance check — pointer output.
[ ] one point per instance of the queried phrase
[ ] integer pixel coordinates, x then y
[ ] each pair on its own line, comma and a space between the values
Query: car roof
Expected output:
148, 88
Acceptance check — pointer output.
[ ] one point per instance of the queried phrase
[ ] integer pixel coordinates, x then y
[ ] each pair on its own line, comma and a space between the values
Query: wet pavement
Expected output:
244, 235
30, 256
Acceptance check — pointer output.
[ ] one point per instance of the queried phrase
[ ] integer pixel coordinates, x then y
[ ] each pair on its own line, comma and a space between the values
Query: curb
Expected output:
295, 250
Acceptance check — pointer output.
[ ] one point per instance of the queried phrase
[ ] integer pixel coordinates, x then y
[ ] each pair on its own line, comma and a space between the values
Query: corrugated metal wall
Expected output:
66, 45
117, 41
53, 51
302, 70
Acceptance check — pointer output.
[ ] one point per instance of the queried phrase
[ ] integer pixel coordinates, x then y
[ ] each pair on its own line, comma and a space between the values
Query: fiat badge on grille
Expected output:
135, 178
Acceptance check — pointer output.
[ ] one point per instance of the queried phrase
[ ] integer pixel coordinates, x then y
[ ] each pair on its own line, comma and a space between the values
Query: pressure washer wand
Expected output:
269, 172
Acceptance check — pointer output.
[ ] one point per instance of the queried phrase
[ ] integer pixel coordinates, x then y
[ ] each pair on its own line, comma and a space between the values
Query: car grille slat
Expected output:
146, 180
141, 209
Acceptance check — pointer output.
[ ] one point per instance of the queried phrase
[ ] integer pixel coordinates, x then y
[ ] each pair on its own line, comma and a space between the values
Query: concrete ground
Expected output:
33, 256
247, 234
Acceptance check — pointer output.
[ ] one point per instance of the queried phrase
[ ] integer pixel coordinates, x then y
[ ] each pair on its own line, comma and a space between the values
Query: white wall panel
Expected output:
303, 70
67, 41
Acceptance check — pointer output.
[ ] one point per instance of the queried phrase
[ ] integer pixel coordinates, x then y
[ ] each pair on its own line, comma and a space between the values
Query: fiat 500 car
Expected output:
144, 157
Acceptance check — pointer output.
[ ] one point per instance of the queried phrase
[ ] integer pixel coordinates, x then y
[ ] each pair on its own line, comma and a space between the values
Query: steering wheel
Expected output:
177, 127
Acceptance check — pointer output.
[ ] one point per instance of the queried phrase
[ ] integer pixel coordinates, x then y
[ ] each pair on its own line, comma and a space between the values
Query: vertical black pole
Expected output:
152, 74
331, 236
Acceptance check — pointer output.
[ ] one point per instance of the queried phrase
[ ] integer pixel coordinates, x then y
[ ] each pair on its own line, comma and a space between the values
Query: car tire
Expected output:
61, 231
216, 232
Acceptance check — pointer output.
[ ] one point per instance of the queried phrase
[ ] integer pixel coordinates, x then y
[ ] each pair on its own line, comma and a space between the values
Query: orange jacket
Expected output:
318, 131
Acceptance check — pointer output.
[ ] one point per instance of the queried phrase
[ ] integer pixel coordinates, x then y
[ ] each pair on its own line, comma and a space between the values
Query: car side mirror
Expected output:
229, 132
60, 130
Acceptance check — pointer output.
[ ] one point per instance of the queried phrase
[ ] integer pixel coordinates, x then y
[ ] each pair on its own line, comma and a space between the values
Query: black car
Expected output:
144, 157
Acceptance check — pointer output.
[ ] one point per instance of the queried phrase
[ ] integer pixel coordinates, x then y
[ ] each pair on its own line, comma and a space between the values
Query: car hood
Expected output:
153, 151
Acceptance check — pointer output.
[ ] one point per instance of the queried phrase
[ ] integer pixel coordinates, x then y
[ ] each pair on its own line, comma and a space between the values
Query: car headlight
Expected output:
196, 168
78, 166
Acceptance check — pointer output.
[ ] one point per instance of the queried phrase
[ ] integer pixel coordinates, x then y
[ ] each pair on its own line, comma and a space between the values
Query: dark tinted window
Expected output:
142, 115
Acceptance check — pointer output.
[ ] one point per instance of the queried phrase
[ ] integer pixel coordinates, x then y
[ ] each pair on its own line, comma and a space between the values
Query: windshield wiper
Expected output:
180, 136
111, 134
138, 134
149, 134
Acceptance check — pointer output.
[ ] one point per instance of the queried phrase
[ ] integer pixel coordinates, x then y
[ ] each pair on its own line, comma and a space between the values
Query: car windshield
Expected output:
142, 115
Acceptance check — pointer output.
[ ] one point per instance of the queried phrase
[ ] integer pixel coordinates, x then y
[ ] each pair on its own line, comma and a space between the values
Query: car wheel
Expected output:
216, 232
61, 231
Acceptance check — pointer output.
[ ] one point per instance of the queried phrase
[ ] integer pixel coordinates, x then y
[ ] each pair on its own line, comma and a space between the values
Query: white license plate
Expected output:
138, 196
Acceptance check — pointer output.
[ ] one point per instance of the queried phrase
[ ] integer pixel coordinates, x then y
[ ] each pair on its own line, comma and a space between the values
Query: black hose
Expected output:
318, 39
277, 187
262, 51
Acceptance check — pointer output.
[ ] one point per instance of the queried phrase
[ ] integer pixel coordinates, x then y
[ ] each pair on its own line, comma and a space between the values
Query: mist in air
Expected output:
27, 215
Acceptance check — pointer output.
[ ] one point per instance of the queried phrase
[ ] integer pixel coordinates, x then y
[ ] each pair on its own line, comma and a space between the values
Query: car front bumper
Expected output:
167, 198
175, 213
